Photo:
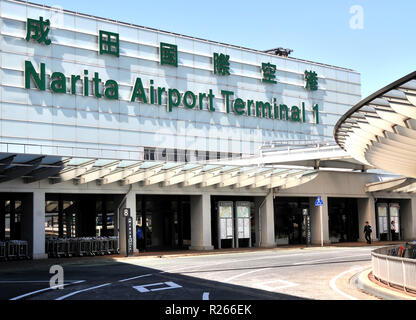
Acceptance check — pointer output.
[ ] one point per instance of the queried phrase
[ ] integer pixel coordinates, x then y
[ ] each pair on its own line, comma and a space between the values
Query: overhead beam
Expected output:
72, 172
19, 170
45, 172
120, 174
96, 173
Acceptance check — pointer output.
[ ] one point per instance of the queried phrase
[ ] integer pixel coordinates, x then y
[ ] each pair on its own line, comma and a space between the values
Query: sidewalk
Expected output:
13, 265
366, 282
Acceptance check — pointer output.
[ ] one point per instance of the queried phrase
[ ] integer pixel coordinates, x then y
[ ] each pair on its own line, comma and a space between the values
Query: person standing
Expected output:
367, 232
393, 230
139, 238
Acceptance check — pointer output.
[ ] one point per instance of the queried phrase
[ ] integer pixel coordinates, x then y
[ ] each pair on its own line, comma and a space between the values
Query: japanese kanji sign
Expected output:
311, 79
109, 43
38, 30
269, 72
168, 54
221, 64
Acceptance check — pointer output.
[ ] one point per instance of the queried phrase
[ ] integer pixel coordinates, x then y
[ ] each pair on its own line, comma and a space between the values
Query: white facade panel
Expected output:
122, 126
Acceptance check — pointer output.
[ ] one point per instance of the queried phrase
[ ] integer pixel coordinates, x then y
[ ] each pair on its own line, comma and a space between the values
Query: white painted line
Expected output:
205, 296
286, 284
138, 277
170, 285
334, 258
83, 290
333, 281
45, 289
275, 256
243, 274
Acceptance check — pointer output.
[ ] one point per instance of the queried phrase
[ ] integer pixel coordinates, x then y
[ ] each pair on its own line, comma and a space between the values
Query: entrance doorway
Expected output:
388, 220
80, 215
343, 220
224, 232
164, 222
12, 207
290, 223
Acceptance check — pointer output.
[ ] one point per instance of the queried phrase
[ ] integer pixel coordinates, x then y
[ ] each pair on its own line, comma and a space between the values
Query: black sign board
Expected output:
129, 236
308, 231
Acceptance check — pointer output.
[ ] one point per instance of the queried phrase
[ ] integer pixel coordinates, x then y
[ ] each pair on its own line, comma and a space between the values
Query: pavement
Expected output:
366, 282
281, 273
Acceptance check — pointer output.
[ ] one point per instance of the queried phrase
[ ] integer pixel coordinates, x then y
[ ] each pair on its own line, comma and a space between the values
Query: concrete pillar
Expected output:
130, 202
408, 219
38, 235
366, 212
201, 222
257, 202
267, 222
319, 217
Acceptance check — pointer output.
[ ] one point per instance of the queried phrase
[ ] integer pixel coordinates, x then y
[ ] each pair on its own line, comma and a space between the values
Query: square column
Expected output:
319, 221
266, 219
408, 219
129, 202
38, 225
201, 222
366, 212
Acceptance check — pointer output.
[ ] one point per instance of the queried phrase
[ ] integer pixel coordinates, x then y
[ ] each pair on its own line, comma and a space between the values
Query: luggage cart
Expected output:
22, 249
84, 247
113, 245
61, 247
95, 247
105, 246
2, 250
73, 245
12, 252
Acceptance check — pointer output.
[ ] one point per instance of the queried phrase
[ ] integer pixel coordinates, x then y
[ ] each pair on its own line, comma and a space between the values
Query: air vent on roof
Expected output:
280, 52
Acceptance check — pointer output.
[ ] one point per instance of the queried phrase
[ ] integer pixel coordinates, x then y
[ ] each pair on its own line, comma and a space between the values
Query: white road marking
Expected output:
333, 281
133, 278
276, 256
83, 290
334, 258
170, 285
243, 274
46, 289
205, 296
286, 284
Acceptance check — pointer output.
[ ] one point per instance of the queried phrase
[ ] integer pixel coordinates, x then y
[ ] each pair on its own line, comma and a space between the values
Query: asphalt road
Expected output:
284, 274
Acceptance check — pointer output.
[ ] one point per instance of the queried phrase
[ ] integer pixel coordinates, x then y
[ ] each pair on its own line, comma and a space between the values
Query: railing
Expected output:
398, 270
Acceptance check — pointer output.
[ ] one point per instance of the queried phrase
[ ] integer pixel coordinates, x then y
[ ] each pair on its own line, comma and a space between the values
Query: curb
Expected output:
362, 282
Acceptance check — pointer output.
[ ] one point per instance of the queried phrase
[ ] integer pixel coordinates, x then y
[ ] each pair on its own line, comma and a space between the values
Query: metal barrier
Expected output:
2, 250
14, 250
396, 266
85, 246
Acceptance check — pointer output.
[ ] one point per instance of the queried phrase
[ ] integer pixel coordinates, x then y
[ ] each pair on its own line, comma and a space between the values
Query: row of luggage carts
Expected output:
14, 250
408, 251
78, 247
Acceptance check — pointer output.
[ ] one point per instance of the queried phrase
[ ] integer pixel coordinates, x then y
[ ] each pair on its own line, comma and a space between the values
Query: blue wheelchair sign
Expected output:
319, 202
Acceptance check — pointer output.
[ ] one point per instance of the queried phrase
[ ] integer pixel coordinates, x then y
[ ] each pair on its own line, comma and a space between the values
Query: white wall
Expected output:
120, 128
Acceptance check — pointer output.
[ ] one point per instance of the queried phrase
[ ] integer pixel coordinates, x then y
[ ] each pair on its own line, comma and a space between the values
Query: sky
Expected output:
373, 37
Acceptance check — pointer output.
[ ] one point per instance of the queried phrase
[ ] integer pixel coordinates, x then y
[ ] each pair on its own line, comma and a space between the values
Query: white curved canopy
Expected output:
380, 130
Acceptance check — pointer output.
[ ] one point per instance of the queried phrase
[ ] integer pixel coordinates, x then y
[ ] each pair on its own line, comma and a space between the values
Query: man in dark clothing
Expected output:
367, 231
393, 231
139, 238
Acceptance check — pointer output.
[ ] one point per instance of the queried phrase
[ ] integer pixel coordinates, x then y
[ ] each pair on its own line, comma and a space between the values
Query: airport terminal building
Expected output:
209, 145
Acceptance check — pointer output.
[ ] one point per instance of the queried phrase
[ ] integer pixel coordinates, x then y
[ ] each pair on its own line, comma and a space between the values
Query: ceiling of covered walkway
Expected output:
34, 168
